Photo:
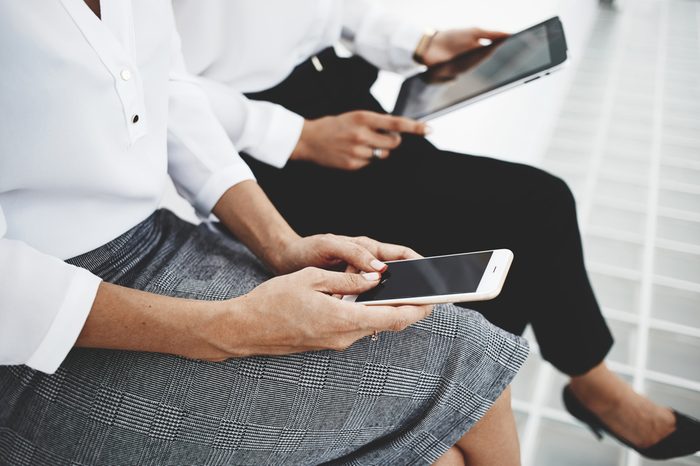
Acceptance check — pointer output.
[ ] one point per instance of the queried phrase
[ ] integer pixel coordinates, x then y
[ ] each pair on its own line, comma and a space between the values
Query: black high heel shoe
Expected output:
683, 441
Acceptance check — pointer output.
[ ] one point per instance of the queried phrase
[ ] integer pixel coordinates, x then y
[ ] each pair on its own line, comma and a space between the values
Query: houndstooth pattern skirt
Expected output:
404, 399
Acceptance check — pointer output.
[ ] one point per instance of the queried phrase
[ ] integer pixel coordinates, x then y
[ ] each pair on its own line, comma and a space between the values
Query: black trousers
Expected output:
439, 202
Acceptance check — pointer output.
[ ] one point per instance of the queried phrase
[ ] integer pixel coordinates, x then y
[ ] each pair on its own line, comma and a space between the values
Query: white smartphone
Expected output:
456, 278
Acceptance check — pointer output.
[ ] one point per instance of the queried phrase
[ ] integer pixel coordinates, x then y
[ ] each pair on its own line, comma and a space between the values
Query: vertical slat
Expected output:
647, 283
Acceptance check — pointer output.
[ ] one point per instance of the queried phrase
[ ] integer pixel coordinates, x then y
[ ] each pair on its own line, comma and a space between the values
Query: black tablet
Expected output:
475, 75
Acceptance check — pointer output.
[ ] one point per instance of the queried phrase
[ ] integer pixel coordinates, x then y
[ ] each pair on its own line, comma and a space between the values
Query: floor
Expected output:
628, 142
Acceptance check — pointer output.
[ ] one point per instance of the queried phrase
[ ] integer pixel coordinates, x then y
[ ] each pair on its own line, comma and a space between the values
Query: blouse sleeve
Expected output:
201, 159
264, 130
44, 304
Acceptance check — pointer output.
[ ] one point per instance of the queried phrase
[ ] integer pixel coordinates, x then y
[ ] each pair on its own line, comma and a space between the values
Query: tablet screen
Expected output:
480, 71
433, 276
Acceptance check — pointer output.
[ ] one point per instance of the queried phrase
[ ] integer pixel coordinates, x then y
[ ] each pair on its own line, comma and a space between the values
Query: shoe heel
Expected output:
576, 409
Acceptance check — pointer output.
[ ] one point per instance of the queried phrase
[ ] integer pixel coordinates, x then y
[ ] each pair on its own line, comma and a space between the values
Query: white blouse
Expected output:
95, 115
246, 46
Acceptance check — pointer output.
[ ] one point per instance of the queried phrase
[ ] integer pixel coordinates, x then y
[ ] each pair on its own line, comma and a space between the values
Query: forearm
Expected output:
247, 212
127, 319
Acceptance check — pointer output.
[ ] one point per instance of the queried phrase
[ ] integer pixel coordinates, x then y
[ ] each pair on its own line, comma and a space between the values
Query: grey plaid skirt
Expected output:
404, 399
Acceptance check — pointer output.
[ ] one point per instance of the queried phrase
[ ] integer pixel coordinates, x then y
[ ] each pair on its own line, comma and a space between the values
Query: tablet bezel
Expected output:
558, 49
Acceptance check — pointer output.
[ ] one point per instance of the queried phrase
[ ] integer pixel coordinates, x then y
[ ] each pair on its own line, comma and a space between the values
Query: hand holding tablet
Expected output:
485, 71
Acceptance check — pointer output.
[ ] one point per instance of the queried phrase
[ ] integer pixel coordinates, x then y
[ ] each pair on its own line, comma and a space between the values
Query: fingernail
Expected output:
428, 130
378, 265
371, 276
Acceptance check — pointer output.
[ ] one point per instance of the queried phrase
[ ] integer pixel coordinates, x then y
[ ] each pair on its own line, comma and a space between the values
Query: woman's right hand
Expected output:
347, 141
297, 312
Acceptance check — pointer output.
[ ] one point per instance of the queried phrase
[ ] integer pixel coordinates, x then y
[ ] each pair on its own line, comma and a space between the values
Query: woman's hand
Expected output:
448, 44
297, 312
347, 141
286, 314
328, 251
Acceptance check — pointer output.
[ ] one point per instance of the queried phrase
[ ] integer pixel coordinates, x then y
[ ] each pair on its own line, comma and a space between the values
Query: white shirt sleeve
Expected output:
44, 305
379, 36
201, 159
264, 130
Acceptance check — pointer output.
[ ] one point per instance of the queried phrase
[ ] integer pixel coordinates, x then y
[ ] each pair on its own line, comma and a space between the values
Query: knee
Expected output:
562, 191
494, 439
556, 193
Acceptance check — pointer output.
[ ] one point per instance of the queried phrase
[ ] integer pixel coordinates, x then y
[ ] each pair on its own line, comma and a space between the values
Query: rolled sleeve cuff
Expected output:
275, 147
67, 324
218, 184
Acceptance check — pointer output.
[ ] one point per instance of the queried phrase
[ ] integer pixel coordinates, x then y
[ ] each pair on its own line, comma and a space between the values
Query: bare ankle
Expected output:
600, 389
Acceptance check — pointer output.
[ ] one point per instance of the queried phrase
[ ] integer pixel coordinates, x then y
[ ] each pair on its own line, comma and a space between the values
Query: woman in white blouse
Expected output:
331, 159
129, 336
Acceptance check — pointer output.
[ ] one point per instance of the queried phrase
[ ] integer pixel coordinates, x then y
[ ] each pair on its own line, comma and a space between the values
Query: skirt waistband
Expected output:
126, 251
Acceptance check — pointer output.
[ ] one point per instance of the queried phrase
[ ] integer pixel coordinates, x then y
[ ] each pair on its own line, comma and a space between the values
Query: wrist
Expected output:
444, 47
211, 331
302, 150
422, 49
277, 251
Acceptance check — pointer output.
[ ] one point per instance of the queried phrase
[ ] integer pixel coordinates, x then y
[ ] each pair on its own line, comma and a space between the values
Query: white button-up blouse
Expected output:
246, 46
94, 115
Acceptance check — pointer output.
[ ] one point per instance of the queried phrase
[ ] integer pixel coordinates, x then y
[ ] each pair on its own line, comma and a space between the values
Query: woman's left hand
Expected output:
448, 44
330, 251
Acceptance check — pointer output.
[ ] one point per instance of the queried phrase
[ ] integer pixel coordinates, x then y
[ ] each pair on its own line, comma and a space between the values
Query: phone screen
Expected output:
432, 276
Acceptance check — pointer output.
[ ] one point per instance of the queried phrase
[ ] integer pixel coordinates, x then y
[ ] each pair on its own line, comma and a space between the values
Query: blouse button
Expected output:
125, 75
135, 118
